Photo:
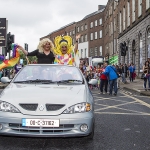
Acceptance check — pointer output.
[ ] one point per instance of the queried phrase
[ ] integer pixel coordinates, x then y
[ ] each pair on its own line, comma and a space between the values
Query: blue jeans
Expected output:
123, 78
131, 76
113, 84
145, 82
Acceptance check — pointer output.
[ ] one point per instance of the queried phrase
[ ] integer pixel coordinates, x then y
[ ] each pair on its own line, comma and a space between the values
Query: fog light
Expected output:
84, 127
1, 126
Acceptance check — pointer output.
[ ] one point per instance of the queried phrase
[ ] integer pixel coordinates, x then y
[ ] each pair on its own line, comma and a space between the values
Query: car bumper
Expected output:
69, 125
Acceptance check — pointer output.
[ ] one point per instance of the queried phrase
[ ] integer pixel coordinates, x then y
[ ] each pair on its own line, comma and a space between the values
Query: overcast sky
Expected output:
29, 20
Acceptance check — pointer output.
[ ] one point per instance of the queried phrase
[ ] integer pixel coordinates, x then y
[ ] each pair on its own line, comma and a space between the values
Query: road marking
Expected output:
110, 99
138, 100
115, 106
116, 113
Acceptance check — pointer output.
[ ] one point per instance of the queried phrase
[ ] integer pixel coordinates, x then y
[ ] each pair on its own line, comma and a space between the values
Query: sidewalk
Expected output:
135, 87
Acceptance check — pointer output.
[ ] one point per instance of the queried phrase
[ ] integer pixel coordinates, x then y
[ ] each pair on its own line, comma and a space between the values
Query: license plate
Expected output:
40, 123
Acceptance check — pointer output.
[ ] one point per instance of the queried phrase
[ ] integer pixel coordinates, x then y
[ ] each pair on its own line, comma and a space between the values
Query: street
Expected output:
122, 122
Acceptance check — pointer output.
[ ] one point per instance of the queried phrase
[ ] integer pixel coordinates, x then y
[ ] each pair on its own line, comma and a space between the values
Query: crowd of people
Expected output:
108, 76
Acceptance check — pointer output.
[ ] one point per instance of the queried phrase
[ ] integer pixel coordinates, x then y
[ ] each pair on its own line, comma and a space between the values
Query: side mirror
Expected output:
5, 80
93, 81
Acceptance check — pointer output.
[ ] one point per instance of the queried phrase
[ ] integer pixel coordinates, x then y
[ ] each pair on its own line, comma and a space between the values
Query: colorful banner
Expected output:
113, 60
13, 61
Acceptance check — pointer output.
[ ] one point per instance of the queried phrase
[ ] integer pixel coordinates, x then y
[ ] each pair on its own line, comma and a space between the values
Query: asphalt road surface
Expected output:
122, 123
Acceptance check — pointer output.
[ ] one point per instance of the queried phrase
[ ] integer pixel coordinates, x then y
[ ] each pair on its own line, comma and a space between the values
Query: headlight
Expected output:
6, 107
78, 108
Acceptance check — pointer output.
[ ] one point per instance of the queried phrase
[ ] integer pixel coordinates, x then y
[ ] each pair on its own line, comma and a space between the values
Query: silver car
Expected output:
47, 101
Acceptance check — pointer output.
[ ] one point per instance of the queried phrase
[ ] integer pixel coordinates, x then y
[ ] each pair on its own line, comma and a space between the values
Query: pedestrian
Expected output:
124, 73
146, 71
119, 71
43, 53
103, 80
81, 67
131, 72
112, 75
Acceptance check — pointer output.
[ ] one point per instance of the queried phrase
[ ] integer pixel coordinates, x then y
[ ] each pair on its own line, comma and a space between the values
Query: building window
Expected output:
95, 35
100, 34
133, 10
120, 20
114, 24
128, 13
95, 23
91, 25
139, 7
91, 36
91, 51
73, 32
100, 50
85, 38
85, 53
85, 26
115, 46
124, 19
95, 51
73, 41
70, 33
148, 43
100, 21
82, 39
81, 53
81, 28
111, 28
147, 4
141, 53
78, 29
115, 5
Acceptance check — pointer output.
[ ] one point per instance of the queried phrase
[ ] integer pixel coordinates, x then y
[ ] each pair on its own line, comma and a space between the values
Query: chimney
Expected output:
101, 7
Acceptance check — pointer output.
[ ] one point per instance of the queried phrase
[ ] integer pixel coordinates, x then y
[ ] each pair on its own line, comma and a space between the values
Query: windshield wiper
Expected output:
36, 81
69, 81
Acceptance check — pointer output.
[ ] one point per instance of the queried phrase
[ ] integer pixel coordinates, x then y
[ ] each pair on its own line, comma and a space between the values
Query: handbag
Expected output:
143, 76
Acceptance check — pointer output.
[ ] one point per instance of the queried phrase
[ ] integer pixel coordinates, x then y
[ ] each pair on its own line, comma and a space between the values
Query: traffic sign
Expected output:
2, 32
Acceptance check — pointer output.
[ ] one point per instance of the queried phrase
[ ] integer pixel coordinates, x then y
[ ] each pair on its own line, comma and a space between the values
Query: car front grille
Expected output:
42, 130
53, 107
30, 107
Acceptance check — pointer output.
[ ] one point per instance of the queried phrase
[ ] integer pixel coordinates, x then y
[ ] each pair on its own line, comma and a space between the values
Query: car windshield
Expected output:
48, 74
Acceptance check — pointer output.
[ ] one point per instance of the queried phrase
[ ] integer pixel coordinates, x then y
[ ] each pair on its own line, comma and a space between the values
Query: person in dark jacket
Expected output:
131, 71
124, 73
43, 52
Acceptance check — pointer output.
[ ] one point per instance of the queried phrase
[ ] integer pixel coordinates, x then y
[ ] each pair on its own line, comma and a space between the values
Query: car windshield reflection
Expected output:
48, 74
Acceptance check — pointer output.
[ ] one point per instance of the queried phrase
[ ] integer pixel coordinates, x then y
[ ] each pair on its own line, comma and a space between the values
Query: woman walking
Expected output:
146, 71
131, 71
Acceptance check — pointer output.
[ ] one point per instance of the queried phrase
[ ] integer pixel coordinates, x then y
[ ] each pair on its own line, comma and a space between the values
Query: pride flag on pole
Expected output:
13, 61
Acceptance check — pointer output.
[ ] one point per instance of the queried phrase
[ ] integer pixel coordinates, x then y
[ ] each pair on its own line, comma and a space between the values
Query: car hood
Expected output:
41, 94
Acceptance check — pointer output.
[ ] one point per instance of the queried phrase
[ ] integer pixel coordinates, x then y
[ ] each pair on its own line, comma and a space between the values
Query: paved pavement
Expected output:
135, 87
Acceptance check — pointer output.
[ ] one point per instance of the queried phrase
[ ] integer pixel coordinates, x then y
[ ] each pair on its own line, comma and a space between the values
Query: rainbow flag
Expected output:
13, 61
